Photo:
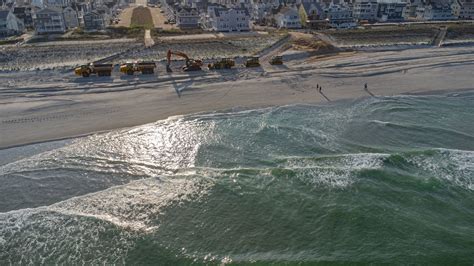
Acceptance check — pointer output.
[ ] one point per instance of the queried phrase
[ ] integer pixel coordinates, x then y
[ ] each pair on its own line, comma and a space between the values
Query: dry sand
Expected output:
46, 105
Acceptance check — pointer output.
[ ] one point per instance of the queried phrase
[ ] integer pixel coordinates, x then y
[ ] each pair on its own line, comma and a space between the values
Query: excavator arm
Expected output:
191, 64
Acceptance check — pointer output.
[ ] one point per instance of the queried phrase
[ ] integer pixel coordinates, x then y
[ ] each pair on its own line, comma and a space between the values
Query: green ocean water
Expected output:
378, 180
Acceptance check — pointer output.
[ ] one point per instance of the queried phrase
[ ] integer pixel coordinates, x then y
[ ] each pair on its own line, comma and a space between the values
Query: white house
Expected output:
435, 11
56, 3
94, 21
10, 24
228, 19
390, 10
187, 18
339, 16
365, 10
49, 20
70, 18
463, 9
288, 18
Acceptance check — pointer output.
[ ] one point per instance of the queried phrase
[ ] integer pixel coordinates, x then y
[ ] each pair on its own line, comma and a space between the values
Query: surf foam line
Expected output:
131, 206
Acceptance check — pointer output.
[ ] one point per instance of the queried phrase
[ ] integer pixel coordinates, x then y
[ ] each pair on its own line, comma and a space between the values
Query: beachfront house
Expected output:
57, 3
49, 21
288, 18
10, 24
227, 19
410, 9
390, 10
312, 15
70, 18
25, 15
93, 21
187, 18
462, 9
365, 10
435, 11
339, 16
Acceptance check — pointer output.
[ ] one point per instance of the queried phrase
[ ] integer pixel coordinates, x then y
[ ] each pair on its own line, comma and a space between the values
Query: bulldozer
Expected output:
252, 62
276, 60
191, 64
92, 68
130, 68
224, 63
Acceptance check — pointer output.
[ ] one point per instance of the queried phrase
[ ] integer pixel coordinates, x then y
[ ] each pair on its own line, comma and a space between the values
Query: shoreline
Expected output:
241, 109
65, 109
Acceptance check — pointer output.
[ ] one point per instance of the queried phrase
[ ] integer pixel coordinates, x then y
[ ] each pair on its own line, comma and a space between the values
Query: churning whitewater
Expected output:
378, 180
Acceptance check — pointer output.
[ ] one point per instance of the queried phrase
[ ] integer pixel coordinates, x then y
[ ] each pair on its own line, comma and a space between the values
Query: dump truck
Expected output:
191, 64
252, 62
130, 68
276, 60
224, 63
98, 69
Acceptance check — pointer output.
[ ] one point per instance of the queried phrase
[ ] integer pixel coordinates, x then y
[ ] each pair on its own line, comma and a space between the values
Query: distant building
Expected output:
187, 18
227, 19
435, 11
10, 24
411, 7
24, 14
70, 18
365, 10
288, 18
49, 20
93, 21
462, 9
56, 3
312, 15
390, 10
339, 16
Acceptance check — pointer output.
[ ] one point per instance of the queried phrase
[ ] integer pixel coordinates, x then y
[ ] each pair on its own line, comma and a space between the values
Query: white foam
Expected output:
456, 166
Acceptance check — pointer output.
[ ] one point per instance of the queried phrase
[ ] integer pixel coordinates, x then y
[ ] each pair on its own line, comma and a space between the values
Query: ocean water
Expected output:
379, 180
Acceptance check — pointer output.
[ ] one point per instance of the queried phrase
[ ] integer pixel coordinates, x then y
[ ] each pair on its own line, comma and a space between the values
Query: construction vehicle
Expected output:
130, 68
276, 60
191, 64
92, 68
224, 63
252, 62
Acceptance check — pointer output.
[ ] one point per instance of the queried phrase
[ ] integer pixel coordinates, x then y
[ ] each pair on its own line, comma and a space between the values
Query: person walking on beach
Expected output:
365, 86
320, 88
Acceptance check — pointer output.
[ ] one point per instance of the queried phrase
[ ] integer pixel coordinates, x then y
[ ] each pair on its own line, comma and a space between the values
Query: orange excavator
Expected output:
191, 64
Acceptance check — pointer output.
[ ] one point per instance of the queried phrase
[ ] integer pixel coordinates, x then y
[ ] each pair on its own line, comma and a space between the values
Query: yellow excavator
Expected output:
191, 64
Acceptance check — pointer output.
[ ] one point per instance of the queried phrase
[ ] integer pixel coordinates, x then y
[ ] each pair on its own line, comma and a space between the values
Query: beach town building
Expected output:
390, 10
312, 15
435, 10
10, 24
24, 13
221, 18
57, 3
463, 9
48, 21
93, 21
288, 18
365, 10
411, 8
70, 18
187, 18
339, 16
